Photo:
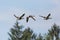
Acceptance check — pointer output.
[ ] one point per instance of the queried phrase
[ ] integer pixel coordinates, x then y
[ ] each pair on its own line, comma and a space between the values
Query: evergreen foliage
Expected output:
16, 33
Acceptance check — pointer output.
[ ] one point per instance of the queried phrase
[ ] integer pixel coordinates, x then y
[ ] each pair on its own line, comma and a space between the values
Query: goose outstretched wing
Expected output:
15, 16
22, 15
48, 15
43, 16
32, 17
27, 18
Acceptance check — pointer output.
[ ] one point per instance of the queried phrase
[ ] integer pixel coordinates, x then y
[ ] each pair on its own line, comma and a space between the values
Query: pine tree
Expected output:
54, 31
34, 36
40, 37
15, 32
27, 34
48, 37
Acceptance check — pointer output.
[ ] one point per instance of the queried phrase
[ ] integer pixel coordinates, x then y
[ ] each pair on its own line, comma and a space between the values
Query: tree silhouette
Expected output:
55, 31
27, 34
15, 32
40, 37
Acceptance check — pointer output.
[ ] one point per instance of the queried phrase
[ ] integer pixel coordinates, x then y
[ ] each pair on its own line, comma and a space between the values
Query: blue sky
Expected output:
31, 7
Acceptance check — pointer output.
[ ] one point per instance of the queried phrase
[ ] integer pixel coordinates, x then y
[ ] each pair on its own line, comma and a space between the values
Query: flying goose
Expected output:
30, 16
47, 17
21, 17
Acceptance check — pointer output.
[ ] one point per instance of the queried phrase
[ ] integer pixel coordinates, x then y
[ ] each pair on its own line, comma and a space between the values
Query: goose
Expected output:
30, 16
47, 17
21, 17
